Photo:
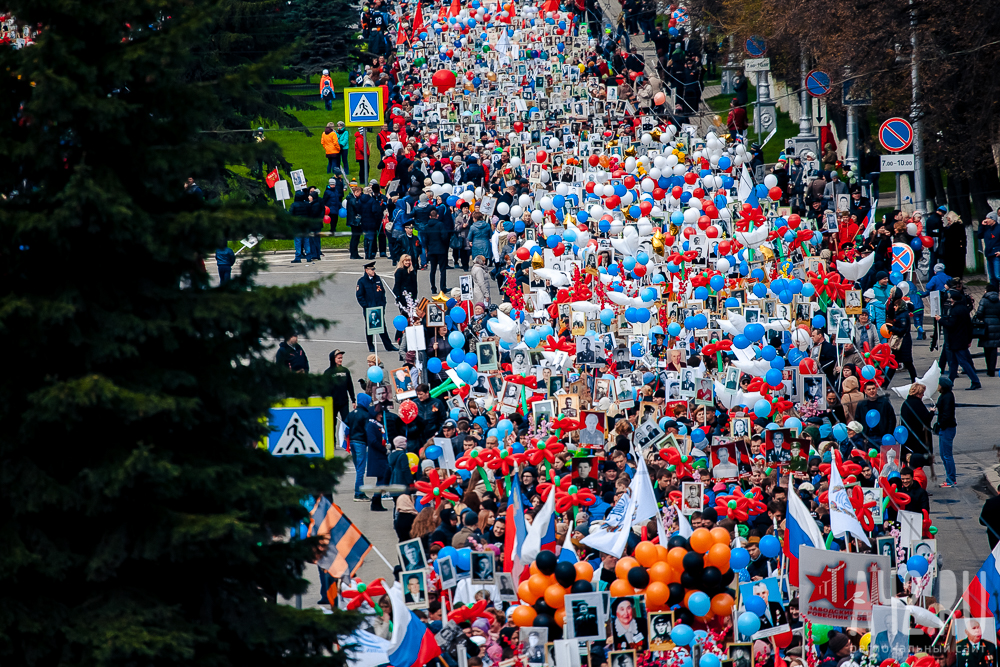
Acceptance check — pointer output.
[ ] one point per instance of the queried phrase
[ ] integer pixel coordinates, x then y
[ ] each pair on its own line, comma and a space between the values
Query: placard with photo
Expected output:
483, 567
586, 619
628, 623
415, 589
374, 320
533, 642
774, 620
594, 428
505, 587
402, 384
661, 624
813, 390
692, 498
724, 461
411, 555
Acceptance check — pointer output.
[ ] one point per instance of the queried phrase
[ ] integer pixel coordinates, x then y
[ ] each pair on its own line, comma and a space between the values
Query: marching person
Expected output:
371, 294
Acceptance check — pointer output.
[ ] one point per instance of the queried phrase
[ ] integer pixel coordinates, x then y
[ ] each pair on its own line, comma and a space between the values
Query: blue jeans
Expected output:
301, 247
946, 438
359, 454
963, 358
345, 165
993, 269
225, 273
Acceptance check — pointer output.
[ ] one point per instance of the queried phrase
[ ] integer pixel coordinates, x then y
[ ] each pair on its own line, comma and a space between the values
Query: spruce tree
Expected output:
139, 522
328, 35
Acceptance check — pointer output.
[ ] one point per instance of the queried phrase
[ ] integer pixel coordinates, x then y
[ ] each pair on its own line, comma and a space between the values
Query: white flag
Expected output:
842, 516
536, 531
612, 537
645, 497
684, 525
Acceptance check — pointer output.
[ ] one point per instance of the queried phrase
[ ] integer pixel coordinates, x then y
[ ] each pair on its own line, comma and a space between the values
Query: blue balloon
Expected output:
755, 605
456, 356
456, 338
739, 558
825, 430
375, 374
795, 355
901, 434
674, 329
872, 418
701, 292
725, 162
607, 316
434, 365
700, 321
400, 322
762, 408
773, 378
697, 435
717, 282
532, 338
732, 302
794, 285
840, 432
741, 342
642, 257
636, 350
471, 359
895, 277
747, 622
916, 244
458, 315
917, 565
767, 353
754, 331
629, 263
793, 422
784, 296
642, 314
868, 372
808, 289
818, 321
778, 363
682, 634
699, 604
888, 440
708, 659
770, 546
504, 428
433, 452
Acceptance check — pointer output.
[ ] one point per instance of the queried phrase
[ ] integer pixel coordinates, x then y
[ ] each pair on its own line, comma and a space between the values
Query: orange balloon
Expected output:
620, 587
675, 576
538, 583
722, 604
525, 593
884, 330
624, 565
645, 553
659, 572
721, 535
675, 558
584, 571
533, 569
657, 593
560, 617
523, 616
554, 595
701, 540
661, 552
718, 556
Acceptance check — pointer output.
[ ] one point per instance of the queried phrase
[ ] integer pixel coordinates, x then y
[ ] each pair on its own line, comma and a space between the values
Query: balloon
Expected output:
523, 615
538, 583
872, 418
546, 562
660, 572
821, 633
433, 452
638, 577
748, 623
456, 338
657, 593
770, 546
699, 604
645, 553
693, 563
739, 558
565, 574
722, 604
375, 374
762, 408
458, 315
917, 565
413, 460
840, 432
584, 571
683, 634
623, 566
400, 322
525, 593
900, 433
434, 365
581, 587
709, 659
718, 556
701, 539
554, 596
620, 588
407, 411
868, 372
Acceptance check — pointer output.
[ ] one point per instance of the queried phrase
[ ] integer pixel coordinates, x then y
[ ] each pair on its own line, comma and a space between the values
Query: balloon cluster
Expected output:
543, 593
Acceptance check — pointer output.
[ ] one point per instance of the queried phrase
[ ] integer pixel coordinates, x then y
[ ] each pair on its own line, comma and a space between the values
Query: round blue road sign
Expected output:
895, 134
817, 83
755, 47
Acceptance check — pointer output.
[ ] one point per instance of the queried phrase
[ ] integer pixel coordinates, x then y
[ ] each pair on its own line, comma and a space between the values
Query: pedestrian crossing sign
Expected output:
301, 427
363, 106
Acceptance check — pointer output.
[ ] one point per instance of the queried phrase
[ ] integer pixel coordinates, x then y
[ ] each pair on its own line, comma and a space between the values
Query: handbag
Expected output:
978, 328
895, 342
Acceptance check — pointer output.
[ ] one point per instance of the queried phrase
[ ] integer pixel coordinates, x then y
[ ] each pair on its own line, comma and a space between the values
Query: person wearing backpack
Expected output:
326, 91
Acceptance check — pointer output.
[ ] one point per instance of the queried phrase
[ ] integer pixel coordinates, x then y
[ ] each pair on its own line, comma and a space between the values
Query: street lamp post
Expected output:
919, 188
805, 121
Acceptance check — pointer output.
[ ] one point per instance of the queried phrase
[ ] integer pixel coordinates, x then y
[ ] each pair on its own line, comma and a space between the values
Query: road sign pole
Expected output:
852, 131
805, 120
899, 195
364, 142
919, 194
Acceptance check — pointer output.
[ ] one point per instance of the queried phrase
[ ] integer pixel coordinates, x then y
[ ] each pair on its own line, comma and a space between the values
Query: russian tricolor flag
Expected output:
412, 644
983, 593
517, 530
800, 530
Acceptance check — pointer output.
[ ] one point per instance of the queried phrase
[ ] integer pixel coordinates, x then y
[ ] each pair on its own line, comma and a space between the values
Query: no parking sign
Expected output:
902, 257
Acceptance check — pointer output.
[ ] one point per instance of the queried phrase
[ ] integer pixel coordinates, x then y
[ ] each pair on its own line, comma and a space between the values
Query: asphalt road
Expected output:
962, 541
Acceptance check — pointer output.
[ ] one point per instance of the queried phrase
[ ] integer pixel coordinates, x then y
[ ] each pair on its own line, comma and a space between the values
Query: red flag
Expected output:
418, 21
456, 9
272, 178
551, 6
401, 37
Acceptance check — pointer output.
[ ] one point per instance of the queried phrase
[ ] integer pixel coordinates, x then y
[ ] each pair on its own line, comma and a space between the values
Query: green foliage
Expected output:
329, 36
139, 522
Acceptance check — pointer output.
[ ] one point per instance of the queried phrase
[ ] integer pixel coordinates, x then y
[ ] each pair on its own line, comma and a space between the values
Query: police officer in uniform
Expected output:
371, 294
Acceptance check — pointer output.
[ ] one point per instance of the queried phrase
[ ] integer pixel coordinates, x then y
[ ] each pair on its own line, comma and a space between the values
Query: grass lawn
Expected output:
268, 245
787, 127
305, 152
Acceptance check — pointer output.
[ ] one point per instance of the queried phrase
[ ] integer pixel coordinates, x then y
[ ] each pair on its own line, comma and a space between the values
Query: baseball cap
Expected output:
450, 423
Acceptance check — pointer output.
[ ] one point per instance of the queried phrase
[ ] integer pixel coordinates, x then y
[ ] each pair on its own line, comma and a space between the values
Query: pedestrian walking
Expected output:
340, 385
357, 435
436, 238
989, 234
344, 139
333, 197
225, 258
958, 337
371, 294
326, 90
331, 146
292, 356
988, 314
953, 242
373, 210
946, 428
354, 194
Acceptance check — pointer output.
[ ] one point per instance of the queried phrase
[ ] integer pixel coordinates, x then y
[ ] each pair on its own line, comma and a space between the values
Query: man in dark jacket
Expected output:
377, 465
825, 354
989, 233
887, 415
357, 427
340, 386
354, 195
301, 208
918, 497
316, 213
945, 428
373, 208
958, 333
932, 228
332, 197
371, 294
436, 237
431, 414
446, 531
474, 173
292, 356
989, 314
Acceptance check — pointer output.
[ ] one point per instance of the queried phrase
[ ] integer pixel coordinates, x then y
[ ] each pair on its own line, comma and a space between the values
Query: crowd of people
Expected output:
653, 381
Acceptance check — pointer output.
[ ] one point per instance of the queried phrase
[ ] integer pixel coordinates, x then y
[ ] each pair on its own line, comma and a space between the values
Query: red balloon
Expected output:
774, 193
698, 192
794, 220
612, 201
326, 219
712, 232
559, 250
659, 193
711, 211
518, 126
645, 207
407, 411
689, 232
590, 184
540, 156
926, 241
594, 160
690, 178
444, 79
639, 270
629, 182
523, 254
703, 222
470, 76
668, 239
724, 247
808, 366
676, 192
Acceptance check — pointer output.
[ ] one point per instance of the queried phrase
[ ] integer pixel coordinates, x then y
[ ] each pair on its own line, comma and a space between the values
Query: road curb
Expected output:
992, 477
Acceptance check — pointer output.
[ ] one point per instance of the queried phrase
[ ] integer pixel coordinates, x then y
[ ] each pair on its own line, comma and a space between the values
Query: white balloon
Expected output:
691, 216
695, 203
524, 201
515, 161
648, 184
724, 214
722, 264
630, 232
448, 187
468, 195
655, 173
516, 211
904, 287
669, 161
545, 176
503, 208
679, 170
562, 189
436, 189
609, 190
537, 216
911, 229
800, 338
616, 226
479, 192
546, 204
630, 164
645, 227
737, 161
656, 212
596, 211
548, 229
646, 138
554, 143
770, 181
437, 177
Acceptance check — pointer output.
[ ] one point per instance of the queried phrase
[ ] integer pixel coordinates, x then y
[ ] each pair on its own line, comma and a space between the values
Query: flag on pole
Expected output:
567, 554
684, 525
418, 22
411, 644
346, 546
800, 530
542, 533
843, 519
456, 9
869, 227
272, 178
517, 530
983, 593
645, 497
612, 537
745, 189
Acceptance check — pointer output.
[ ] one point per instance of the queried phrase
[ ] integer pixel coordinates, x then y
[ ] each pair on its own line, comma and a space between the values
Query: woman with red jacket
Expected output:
359, 153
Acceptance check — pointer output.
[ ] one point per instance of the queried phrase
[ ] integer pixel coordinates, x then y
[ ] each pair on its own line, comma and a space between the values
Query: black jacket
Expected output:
958, 326
946, 409
340, 384
474, 174
917, 420
292, 357
372, 212
989, 312
436, 237
370, 292
404, 281
357, 424
900, 326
